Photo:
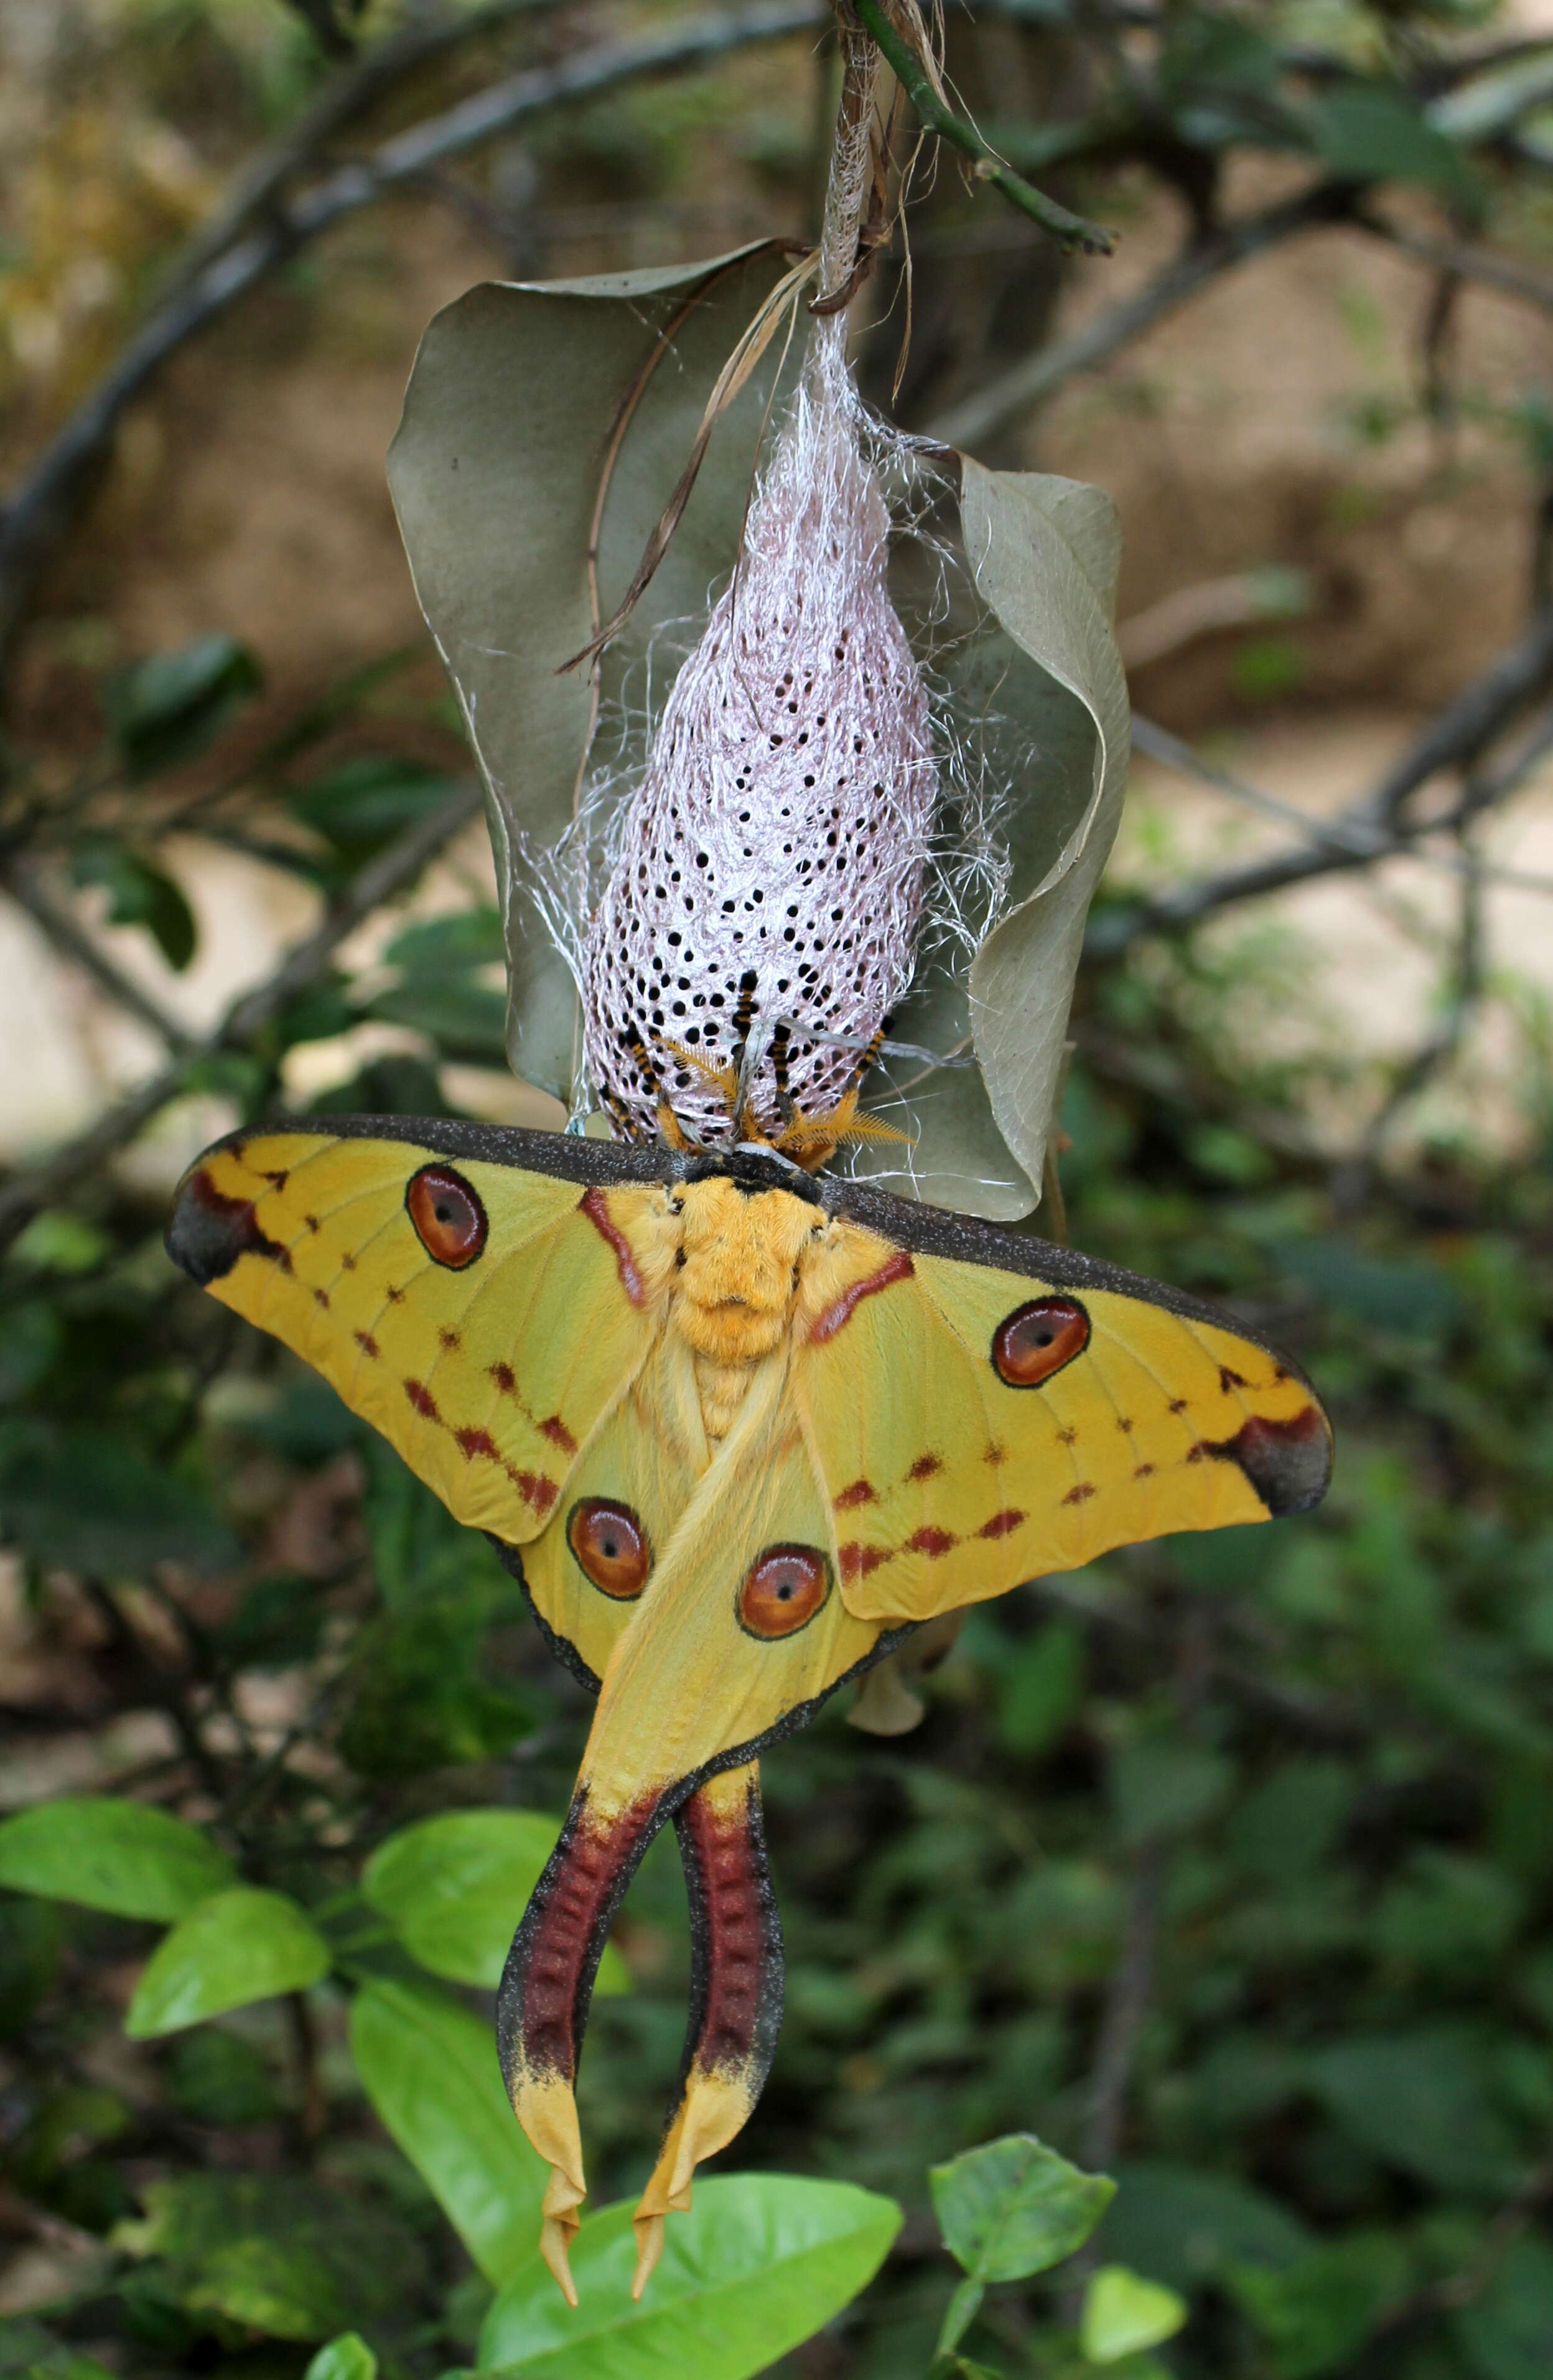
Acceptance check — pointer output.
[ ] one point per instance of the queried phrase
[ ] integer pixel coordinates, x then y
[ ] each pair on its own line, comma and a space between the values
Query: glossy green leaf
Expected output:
1422, 2102
363, 803
108, 1853
1378, 132
430, 2068
169, 707
236, 1946
346, 2358
1123, 2314
1014, 2207
140, 894
761, 2262
455, 1886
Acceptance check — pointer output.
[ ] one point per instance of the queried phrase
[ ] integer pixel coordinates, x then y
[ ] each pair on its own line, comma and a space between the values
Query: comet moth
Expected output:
739, 1427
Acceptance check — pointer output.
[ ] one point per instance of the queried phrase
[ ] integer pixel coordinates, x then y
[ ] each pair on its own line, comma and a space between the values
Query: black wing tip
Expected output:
1287, 1462
207, 1231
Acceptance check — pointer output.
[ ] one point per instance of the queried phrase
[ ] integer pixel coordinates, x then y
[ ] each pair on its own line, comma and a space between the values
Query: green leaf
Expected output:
761, 2262
286, 2256
140, 894
1161, 1786
1420, 2101
363, 803
1315, 2314
58, 1242
236, 1946
1378, 133
1014, 2207
1508, 2333
87, 1501
429, 2069
164, 710
106, 1854
1183, 2226
465, 1019
1123, 2314
449, 945
964, 2306
25, 2348
453, 1889
346, 2358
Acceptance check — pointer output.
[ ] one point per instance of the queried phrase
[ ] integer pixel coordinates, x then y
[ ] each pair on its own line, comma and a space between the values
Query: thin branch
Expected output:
1359, 836
1074, 232
393, 871
1456, 256
46, 504
28, 892
1028, 383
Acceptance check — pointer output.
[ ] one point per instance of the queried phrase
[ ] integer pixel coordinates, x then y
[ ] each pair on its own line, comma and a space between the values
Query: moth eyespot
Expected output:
448, 1217
610, 1547
1036, 1339
782, 1591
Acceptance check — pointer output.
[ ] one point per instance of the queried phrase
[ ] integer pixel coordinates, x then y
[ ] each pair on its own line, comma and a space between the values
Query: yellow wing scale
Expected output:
488, 1380
947, 1485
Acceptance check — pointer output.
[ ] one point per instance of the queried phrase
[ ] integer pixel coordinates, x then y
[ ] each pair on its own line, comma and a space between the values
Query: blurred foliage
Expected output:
1294, 1787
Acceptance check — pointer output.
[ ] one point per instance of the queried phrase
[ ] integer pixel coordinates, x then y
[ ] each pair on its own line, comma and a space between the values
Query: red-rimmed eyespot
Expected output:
448, 1217
782, 1591
1036, 1339
610, 1547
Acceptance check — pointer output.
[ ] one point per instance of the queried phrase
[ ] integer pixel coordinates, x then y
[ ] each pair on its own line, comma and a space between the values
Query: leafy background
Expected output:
1222, 1869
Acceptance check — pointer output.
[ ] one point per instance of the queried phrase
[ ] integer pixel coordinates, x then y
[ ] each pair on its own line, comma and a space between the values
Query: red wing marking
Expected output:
1066, 1437
1081, 1494
931, 1542
995, 1457
1001, 1524
550, 1970
367, 1343
423, 1401
925, 1467
504, 1377
1144, 1471
471, 1442
538, 1492
594, 1205
448, 1339
825, 1326
737, 1945
556, 1429
1228, 1379
862, 1492
858, 1560
320, 1297
311, 1222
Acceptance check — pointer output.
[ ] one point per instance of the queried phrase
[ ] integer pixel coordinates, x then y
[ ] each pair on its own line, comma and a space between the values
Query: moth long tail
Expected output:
735, 1994
541, 2008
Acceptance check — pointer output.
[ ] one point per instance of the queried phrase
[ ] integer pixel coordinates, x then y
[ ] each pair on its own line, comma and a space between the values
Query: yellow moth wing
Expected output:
486, 1379
950, 1482
634, 1478
715, 1655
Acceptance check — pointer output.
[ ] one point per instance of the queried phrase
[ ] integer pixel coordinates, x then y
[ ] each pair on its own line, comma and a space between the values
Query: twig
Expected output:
1073, 233
28, 891
1455, 257
48, 499
1354, 839
392, 872
1038, 376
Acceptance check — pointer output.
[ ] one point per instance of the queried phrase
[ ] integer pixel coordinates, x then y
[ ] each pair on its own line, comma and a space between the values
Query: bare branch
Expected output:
45, 504
28, 892
1026, 385
393, 871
